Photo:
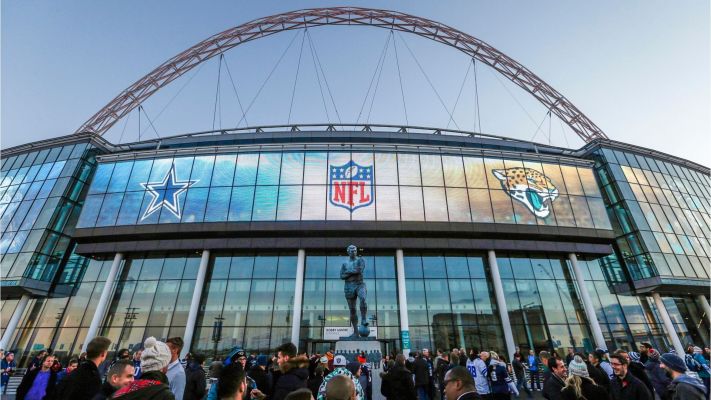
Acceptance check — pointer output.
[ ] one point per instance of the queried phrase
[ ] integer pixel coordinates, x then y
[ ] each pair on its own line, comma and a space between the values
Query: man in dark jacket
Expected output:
597, 374
660, 380
397, 383
459, 385
625, 386
636, 368
195, 381
422, 377
40, 382
295, 371
683, 387
85, 382
556, 380
121, 373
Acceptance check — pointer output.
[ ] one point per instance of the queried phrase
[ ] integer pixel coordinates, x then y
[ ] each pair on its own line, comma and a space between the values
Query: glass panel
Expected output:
411, 205
119, 178
218, 203
315, 169
261, 302
292, 169
453, 171
458, 205
431, 170
202, 171
109, 209
435, 204
491, 164
480, 205
269, 164
501, 204
387, 203
241, 203
194, 205
224, 171
314, 203
385, 169
289, 208
246, 173
409, 169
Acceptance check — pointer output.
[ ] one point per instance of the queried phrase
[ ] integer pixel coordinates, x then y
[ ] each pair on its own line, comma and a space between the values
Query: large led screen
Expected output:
363, 186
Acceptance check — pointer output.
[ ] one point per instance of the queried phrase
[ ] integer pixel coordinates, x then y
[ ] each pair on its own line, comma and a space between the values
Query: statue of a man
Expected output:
354, 288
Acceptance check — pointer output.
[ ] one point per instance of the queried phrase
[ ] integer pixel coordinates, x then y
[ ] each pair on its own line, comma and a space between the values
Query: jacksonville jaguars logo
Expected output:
528, 186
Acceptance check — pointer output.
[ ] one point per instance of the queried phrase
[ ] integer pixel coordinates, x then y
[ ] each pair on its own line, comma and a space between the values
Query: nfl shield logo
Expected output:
351, 185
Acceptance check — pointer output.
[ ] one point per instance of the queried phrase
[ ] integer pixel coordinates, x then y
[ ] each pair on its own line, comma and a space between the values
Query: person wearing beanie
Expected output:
683, 386
153, 383
656, 374
578, 385
258, 373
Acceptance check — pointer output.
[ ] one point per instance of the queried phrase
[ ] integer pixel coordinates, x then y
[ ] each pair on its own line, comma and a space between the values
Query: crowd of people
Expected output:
621, 375
157, 372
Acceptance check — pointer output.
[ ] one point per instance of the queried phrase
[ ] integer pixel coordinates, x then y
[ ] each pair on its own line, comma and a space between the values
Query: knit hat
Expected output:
339, 361
634, 356
353, 367
674, 362
578, 367
155, 356
653, 354
697, 350
262, 360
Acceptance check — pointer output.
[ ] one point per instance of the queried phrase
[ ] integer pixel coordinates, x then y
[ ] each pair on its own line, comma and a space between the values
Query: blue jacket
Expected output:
704, 373
532, 363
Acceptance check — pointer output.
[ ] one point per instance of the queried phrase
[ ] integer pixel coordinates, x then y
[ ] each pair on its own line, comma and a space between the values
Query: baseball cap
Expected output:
339, 361
323, 360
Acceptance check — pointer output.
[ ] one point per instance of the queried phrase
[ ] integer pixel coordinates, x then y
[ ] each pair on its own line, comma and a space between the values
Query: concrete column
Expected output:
587, 303
14, 320
195, 303
501, 303
705, 306
106, 295
402, 301
298, 297
668, 325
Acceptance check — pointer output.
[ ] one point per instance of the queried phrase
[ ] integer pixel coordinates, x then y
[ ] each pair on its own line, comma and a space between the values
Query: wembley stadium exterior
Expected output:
236, 238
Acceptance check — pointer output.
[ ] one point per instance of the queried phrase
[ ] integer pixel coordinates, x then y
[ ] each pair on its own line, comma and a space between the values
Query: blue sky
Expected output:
639, 69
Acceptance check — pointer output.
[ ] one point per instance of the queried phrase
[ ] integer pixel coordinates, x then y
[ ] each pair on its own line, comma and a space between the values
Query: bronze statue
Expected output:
354, 288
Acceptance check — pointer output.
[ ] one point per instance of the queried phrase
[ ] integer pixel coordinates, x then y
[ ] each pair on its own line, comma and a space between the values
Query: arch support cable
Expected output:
170, 70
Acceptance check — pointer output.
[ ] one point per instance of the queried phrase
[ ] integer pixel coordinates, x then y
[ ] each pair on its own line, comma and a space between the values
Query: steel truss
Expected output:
213, 46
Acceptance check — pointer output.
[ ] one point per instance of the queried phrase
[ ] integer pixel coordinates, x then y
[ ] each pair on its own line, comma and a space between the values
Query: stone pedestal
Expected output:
352, 347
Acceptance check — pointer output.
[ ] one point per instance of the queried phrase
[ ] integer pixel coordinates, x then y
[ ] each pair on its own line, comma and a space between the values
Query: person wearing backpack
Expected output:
700, 365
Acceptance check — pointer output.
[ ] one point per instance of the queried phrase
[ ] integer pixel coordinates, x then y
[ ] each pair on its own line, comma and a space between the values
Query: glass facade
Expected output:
40, 202
451, 302
660, 212
292, 186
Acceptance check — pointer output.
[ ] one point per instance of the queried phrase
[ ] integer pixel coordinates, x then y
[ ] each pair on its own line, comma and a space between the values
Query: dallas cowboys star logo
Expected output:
166, 193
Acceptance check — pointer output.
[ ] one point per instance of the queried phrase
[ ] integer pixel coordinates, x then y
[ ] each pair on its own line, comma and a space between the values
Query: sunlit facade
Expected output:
236, 239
